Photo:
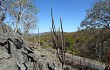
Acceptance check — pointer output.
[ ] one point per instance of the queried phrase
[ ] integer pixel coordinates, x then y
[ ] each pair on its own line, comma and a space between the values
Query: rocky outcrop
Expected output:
15, 54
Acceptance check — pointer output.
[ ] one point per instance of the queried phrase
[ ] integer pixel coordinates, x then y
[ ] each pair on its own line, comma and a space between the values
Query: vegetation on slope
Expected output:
92, 40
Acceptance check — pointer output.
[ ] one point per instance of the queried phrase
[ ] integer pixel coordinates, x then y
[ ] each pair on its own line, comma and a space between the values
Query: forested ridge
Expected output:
79, 43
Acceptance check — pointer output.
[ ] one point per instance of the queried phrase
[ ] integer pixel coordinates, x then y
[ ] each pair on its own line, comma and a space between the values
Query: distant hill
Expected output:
47, 35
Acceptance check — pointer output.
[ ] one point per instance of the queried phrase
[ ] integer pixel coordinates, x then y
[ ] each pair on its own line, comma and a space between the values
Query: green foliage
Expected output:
31, 39
69, 44
42, 42
95, 32
98, 16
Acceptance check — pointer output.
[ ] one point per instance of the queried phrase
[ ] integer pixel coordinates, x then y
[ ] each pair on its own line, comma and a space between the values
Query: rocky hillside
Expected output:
16, 54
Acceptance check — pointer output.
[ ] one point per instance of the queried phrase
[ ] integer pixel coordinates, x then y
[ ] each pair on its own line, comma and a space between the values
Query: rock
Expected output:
30, 65
8, 64
4, 54
15, 53
39, 65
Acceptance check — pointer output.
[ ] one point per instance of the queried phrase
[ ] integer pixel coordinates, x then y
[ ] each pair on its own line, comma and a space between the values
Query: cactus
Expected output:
58, 41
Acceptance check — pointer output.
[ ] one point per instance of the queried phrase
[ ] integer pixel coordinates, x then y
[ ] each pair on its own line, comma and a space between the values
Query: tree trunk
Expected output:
16, 28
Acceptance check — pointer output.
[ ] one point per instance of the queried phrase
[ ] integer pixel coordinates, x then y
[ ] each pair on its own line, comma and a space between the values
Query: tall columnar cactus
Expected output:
58, 41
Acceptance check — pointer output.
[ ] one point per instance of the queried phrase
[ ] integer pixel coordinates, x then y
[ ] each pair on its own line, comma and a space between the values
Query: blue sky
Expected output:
71, 11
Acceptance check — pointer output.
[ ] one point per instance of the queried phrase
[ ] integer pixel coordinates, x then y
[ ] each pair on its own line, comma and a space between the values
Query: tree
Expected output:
2, 14
97, 23
98, 16
22, 13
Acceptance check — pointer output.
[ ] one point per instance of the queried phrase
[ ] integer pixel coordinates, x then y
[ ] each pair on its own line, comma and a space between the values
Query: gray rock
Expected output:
8, 64
39, 65
30, 65
50, 65
3, 54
